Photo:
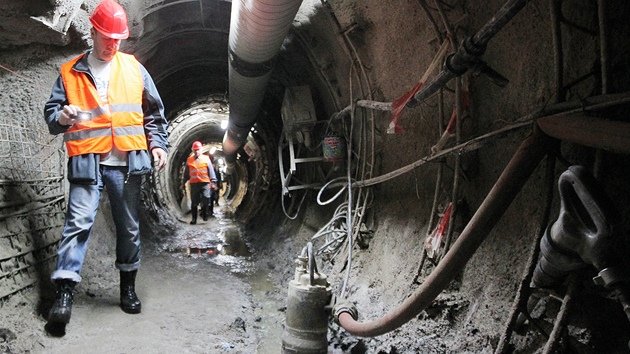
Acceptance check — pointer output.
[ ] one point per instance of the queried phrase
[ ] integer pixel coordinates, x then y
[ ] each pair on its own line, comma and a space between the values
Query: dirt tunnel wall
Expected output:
392, 46
32, 171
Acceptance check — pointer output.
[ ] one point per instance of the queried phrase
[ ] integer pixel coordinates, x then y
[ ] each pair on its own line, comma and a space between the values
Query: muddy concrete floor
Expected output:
201, 293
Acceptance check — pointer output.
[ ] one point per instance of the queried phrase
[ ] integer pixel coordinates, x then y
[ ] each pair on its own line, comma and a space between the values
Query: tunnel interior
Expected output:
332, 145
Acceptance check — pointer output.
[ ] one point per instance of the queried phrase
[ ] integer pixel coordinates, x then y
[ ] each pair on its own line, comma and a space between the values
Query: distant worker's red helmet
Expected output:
197, 145
110, 19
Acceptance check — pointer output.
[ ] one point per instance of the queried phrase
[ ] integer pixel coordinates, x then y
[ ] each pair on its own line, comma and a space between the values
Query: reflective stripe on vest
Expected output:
120, 125
198, 169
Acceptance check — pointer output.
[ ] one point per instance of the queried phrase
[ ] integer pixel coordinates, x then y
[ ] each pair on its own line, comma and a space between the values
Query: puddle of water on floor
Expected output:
219, 241
233, 244
269, 311
268, 300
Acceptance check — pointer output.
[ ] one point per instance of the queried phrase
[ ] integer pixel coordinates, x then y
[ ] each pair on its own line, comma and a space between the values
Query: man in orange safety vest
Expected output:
107, 107
203, 182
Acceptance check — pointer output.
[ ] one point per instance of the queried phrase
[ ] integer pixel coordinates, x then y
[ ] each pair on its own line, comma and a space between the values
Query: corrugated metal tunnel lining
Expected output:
184, 43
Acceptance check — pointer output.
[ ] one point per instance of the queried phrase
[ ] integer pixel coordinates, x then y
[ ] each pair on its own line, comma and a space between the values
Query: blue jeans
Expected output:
83, 201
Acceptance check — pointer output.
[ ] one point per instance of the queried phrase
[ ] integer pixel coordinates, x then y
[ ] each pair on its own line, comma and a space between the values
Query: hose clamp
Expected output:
249, 69
610, 276
345, 306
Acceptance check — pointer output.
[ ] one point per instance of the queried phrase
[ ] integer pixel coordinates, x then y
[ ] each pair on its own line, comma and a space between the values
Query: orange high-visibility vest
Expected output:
198, 169
122, 124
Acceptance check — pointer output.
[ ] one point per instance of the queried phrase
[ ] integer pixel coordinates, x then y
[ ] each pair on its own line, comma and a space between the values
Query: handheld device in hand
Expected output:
82, 115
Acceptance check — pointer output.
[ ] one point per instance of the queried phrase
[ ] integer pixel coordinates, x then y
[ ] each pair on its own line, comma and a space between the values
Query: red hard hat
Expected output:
197, 145
110, 19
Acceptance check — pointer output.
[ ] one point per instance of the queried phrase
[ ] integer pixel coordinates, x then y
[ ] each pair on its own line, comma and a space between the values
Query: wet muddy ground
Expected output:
201, 293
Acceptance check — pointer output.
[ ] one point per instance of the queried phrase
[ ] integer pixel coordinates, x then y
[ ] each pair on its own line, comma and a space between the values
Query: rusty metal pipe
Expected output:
509, 184
593, 132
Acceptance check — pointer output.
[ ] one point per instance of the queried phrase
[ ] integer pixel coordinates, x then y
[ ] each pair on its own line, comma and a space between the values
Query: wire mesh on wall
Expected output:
32, 195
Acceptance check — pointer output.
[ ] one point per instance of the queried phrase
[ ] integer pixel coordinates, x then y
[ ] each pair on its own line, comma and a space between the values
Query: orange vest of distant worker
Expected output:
120, 125
198, 169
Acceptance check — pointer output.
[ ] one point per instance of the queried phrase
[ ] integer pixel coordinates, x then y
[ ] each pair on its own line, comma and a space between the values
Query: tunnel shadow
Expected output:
31, 228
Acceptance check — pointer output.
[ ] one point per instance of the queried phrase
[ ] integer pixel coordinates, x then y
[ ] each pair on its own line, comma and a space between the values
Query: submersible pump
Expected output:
308, 308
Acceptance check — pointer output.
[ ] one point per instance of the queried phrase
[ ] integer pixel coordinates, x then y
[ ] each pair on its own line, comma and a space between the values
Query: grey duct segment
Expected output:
582, 234
257, 30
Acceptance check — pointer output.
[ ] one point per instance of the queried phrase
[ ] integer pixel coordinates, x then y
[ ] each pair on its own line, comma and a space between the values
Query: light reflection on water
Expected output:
217, 240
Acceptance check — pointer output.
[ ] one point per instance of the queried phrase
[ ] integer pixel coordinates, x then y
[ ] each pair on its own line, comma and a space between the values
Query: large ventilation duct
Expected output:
257, 30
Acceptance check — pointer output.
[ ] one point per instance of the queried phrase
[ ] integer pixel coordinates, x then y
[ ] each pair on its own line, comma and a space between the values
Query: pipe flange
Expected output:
467, 56
345, 306
610, 276
472, 49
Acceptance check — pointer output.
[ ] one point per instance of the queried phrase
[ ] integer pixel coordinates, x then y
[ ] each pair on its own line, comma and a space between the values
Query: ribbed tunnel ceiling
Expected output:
184, 45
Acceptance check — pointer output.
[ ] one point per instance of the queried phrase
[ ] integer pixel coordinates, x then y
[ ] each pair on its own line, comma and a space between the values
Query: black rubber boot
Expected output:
129, 301
62, 308
194, 216
204, 213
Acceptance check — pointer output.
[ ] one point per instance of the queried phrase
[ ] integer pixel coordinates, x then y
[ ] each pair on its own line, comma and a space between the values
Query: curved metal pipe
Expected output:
257, 30
514, 176
509, 184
